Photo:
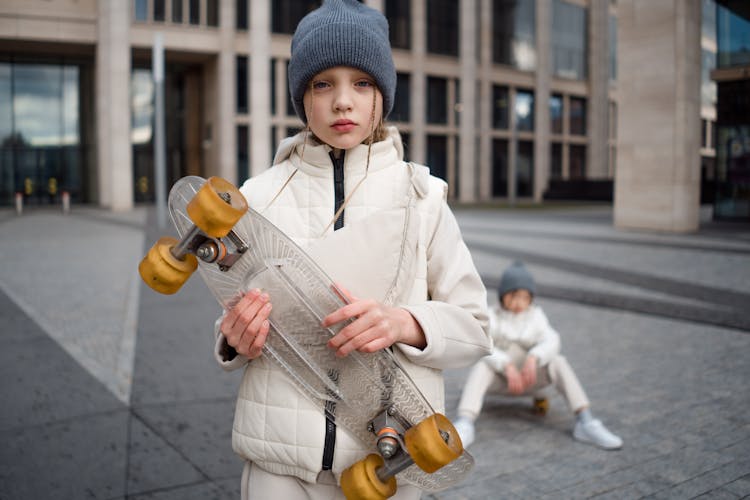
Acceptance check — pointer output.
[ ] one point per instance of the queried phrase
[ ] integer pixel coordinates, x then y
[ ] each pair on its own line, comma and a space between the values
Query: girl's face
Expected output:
339, 106
516, 301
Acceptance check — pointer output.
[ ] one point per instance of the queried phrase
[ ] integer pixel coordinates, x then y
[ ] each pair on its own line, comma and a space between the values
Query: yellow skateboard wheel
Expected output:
361, 482
216, 207
162, 271
433, 443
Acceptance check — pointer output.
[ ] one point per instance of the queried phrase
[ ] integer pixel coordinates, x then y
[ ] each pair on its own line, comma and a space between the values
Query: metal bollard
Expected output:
66, 202
19, 203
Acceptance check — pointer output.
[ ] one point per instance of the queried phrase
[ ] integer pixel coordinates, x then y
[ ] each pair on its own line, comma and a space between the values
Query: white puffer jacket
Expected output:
400, 245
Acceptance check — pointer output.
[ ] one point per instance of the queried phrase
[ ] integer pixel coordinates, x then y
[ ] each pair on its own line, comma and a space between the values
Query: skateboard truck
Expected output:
224, 251
391, 446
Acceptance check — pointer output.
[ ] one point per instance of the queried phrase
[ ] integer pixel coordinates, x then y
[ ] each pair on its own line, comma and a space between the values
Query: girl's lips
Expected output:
343, 125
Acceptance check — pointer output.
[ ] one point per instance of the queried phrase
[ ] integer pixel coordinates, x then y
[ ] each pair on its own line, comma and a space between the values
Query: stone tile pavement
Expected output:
109, 390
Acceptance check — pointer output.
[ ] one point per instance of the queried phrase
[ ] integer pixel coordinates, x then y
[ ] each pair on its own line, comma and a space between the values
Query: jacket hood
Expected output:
317, 159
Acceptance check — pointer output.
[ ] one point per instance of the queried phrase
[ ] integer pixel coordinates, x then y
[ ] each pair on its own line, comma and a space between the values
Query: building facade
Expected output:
732, 136
506, 99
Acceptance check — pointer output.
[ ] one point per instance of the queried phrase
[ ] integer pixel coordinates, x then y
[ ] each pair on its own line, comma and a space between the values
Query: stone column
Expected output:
467, 43
418, 85
541, 98
114, 151
260, 87
225, 134
657, 182
486, 104
598, 103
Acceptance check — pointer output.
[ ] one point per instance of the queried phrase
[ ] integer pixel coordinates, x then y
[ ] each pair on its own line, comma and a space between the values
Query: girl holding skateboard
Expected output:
341, 190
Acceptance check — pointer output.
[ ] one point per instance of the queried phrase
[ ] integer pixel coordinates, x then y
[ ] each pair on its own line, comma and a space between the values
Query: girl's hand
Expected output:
515, 380
375, 326
246, 325
528, 371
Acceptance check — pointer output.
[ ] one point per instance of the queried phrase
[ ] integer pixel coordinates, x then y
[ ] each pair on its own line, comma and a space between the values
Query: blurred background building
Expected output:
509, 100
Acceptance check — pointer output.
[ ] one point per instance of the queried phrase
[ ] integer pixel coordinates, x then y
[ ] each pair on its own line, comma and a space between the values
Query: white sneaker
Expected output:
594, 432
465, 430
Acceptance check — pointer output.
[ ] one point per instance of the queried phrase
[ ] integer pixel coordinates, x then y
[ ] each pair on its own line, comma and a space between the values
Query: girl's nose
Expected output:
343, 101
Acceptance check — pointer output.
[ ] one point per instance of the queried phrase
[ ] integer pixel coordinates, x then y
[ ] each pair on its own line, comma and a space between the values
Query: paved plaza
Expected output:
110, 390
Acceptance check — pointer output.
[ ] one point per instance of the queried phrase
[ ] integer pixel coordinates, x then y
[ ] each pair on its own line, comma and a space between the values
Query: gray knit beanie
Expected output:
342, 33
516, 277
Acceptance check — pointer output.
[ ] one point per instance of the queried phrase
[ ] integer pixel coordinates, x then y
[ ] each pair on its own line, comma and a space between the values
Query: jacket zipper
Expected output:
338, 188
330, 409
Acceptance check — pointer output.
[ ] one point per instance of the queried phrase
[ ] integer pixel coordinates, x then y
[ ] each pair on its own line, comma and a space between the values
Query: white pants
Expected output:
258, 484
483, 378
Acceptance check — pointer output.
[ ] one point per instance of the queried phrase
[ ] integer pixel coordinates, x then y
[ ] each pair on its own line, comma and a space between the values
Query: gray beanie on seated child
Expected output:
342, 33
516, 277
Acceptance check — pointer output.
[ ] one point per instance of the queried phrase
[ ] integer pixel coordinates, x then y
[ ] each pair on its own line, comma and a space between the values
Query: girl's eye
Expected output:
319, 85
364, 83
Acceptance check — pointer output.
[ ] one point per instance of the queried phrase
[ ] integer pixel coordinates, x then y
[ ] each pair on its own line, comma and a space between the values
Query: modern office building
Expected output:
508, 100
499, 97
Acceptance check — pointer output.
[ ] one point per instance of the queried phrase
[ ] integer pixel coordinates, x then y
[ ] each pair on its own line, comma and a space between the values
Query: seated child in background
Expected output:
526, 359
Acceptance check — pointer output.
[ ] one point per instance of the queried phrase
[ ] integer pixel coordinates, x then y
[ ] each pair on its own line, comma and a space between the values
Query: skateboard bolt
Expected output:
388, 447
206, 253
202, 253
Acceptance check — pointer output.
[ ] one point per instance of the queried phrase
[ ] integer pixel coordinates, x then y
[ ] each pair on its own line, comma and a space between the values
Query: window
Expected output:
499, 167
272, 74
708, 20
195, 11
141, 10
399, 20
525, 169
159, 9
524, 110
285, 14
242, 19
556, 113
177, 11
289, 104
514, 33
577, 161
400, 112
242, 89
243, 153
437, 155
212, 12
500, 107
41, 148
456, 106
708, 85
555, 161
578, 116
442, 27
437, 100
569, 49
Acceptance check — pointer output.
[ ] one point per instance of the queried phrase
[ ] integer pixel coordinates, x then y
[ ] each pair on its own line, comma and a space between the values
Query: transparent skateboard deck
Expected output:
353, 390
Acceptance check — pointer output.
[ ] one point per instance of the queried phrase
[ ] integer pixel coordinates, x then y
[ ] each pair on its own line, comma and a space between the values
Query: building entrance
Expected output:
183, 97
43, 152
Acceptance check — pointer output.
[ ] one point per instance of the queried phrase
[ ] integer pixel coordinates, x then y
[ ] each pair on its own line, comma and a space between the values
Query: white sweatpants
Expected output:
483, 378
258, 484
